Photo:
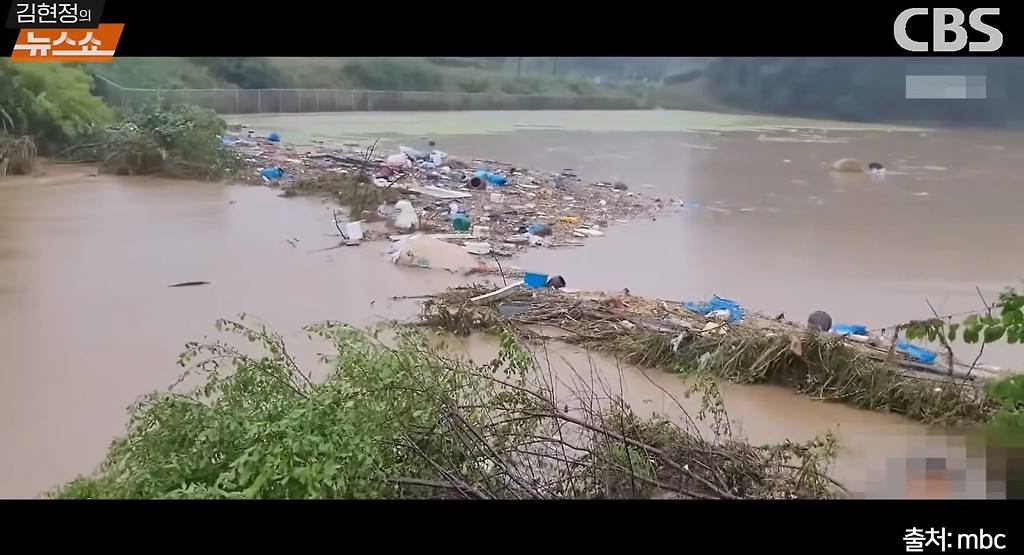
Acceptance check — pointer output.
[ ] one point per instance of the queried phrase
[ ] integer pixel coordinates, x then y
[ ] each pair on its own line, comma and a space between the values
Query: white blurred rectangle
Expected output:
947, 87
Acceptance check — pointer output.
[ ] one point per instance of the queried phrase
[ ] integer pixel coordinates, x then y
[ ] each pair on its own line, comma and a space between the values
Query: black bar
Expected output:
245, 28
684, 526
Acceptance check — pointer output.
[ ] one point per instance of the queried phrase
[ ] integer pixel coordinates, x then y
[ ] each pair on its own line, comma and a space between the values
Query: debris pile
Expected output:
754, 349
480, 201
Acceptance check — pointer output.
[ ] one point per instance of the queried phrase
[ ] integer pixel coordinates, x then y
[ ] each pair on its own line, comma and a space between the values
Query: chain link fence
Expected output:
263, 101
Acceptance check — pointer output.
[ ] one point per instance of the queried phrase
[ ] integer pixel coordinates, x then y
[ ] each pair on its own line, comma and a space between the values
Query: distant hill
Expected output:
867, 89
151, 73
405, 74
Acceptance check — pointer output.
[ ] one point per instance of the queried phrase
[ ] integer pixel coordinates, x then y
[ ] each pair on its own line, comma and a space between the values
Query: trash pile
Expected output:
707, 338
491, 207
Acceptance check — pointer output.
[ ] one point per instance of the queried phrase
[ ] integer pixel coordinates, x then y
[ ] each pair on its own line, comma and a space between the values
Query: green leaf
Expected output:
1012, 301
971, 321
952, 331
994, 333
971, 335
988, 320
1012, 316
1012, 335
931, 334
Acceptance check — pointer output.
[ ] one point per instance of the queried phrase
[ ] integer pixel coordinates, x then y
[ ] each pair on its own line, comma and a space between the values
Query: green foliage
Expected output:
263, 430
1006, 425
179, 140
1006, 428
158, 73
246, 73
986, 328
402, 419
53, 103
388, 75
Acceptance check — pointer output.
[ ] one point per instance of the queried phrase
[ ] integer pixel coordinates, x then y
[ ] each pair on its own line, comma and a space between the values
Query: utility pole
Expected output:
554, 66
519, 66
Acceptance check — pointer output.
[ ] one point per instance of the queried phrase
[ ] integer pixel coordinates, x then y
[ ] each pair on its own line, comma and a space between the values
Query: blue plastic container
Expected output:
849, 329
535, 281
538, 229
274, 137
492, 178
715, 304
916, 354
272, 174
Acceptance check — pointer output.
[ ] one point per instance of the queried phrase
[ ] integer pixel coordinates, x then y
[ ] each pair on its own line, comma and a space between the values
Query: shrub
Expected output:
385, 75
17, 155
407, 420
246, 73
179, 140
51, 102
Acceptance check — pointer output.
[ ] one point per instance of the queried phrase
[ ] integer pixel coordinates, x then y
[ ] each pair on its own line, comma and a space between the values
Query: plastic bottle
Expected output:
460, 222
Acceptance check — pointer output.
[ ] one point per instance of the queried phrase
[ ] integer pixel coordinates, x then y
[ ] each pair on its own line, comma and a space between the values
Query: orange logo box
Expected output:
68, 45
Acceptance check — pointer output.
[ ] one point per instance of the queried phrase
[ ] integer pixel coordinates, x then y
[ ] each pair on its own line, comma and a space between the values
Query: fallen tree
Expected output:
405, 419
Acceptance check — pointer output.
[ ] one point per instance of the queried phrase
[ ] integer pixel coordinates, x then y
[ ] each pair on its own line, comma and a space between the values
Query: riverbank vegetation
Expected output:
403, 418
1007, 395
177, 141
50, 110
52, 103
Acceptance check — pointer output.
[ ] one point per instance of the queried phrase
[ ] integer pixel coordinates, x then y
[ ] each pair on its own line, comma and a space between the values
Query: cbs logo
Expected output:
945, 21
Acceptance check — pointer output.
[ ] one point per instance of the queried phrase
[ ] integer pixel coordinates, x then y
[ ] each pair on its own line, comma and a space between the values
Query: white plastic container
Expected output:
407, 218
354, 230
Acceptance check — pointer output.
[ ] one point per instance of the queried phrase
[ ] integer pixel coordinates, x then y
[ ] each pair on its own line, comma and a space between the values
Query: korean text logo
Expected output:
62, 32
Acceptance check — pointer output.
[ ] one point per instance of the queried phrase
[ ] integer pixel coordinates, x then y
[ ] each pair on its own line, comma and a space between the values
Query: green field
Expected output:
304, 128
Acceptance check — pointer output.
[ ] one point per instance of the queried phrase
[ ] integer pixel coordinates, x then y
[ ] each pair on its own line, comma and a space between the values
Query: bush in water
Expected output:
179, 140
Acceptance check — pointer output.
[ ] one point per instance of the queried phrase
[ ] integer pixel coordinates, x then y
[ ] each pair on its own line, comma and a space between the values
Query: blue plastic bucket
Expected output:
536, 281
272, 174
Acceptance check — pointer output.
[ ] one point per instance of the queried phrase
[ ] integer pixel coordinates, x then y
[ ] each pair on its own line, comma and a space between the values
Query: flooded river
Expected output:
88, 324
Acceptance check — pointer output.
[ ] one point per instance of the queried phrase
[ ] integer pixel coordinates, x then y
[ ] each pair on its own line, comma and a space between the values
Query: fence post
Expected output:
279, 95
236, 101
259, 101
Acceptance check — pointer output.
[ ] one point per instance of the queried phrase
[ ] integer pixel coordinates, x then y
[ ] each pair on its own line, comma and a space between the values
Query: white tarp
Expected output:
427, 252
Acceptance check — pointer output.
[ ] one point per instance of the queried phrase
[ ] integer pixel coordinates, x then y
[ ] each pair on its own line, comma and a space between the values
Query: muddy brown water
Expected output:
88, 323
